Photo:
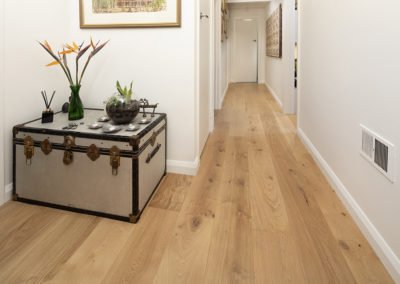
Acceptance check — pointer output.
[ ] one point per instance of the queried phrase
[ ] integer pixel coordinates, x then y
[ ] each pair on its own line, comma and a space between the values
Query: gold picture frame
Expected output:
121, 14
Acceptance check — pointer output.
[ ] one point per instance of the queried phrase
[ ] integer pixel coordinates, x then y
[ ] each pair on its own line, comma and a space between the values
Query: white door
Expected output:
205, 72
245, 51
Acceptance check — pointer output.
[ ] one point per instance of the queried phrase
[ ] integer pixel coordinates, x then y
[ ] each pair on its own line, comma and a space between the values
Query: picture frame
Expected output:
226, 25
224, 8
274, 34
222, 28
129, 13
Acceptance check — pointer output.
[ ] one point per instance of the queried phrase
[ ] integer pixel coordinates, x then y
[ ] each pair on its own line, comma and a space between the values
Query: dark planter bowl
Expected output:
123, 113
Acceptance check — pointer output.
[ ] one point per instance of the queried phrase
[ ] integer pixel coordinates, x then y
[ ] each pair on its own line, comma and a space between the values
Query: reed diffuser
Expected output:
48, 114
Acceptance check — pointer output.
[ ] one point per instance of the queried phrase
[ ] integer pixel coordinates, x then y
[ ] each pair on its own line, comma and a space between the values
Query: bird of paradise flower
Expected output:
75, 110
61, 59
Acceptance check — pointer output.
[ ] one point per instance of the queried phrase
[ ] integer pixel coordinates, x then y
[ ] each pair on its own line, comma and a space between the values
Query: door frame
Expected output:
212, 65
232, 28
212, 80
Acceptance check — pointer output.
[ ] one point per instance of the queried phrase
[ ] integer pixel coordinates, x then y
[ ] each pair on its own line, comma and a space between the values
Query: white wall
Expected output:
160, 61
224, 67
221, 58
2, 69
224, 60
257, 13
205, 70
349, 74
279, 72
25, 73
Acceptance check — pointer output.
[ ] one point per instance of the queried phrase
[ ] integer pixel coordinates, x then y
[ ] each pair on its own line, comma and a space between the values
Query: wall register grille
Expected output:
379, 152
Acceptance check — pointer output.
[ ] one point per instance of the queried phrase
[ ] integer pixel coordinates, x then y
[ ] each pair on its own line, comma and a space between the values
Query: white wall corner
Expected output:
183, 167
261, 82
279, 102
221, 102
8, 190
378, 243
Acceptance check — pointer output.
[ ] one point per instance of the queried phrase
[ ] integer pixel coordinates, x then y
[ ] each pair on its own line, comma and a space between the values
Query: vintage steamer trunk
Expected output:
87, 171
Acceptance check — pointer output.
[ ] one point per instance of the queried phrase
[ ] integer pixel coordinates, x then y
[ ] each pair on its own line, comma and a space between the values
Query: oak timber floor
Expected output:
259, 211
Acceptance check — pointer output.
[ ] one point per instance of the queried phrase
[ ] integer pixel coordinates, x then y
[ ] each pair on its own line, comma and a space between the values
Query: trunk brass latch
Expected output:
93, 152
29, 149
46, 146
115, 159
69, 141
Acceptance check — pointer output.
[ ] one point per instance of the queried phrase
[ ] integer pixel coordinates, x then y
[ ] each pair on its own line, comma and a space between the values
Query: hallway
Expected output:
259, 211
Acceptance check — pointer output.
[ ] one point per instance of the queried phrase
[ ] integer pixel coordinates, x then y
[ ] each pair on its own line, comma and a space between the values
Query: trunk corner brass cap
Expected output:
134, 218
16, 129
134, 141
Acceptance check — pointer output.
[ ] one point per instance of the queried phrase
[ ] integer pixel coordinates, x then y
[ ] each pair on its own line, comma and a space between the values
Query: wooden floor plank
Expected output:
88, 264
45, 252
139, 259
172, 192
259, 211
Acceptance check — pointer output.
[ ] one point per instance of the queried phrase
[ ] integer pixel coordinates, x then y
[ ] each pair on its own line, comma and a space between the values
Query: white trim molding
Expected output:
8, 192
279, 102
221, 102
378, 243
183, 167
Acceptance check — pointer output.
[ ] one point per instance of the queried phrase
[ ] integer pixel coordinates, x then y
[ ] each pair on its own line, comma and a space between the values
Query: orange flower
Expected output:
72, 49
91, 43
48, 45
53, 63
66, 51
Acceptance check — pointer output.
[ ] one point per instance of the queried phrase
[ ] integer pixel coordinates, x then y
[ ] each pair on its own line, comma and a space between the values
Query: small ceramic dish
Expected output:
103, 119
145, 121
133, 127
109, 128
95, 125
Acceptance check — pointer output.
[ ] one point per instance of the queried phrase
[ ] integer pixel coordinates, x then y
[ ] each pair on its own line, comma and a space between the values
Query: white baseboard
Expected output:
8, 192
261, 82
223, 96
183, 167
381, 247
274, 95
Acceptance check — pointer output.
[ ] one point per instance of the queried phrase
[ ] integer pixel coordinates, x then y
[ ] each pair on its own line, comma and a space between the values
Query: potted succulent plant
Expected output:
120, 107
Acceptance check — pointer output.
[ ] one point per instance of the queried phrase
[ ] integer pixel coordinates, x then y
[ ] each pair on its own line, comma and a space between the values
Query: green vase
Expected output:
75, 110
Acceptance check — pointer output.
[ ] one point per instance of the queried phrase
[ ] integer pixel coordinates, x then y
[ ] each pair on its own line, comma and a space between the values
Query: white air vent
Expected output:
379, 152
367, 144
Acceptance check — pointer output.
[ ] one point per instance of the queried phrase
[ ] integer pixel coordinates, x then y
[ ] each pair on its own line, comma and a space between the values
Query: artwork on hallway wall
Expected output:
224, 20
274, 33
130, 13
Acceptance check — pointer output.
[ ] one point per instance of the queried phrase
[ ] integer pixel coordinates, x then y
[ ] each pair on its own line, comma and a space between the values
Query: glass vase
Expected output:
75, 110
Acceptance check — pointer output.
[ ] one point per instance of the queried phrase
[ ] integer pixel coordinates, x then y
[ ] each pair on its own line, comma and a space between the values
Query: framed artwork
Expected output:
224, 20
226, 27
222, 28
224, 6
129, 13
274, 33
